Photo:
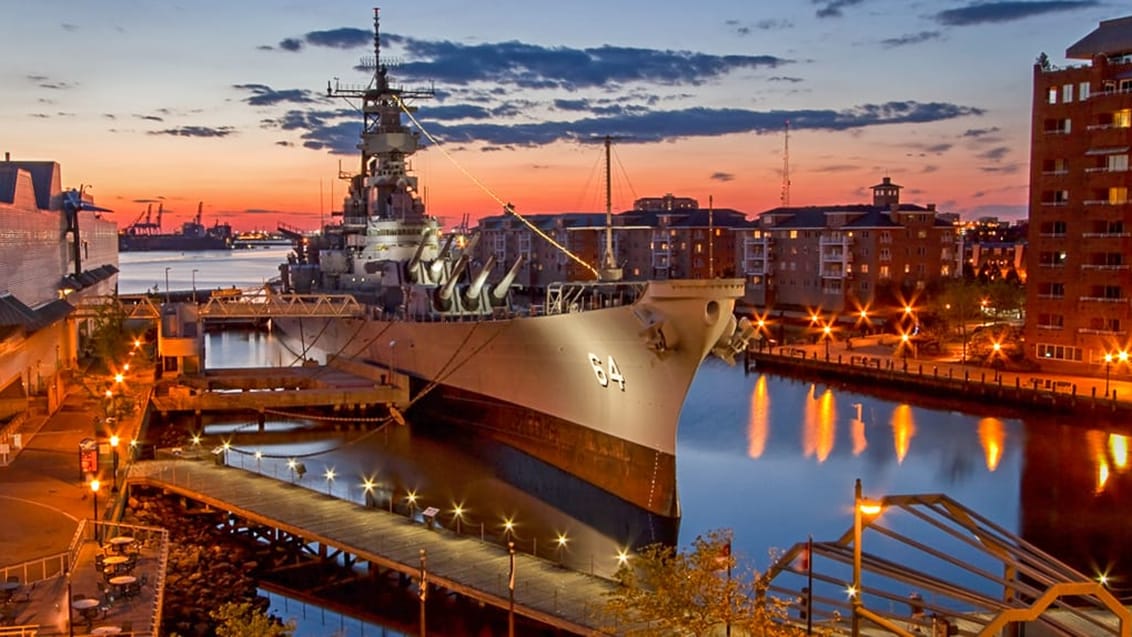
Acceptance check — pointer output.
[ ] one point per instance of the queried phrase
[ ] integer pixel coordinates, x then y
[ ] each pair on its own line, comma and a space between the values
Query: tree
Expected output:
243, 620
695, 592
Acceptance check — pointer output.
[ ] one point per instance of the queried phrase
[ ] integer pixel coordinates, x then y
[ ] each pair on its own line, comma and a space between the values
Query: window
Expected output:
863, 268
885, 272
1059, 352
1083, 91
1053, 95
921, 234
945, 270
1067, 93
1118, 195
886, 237
1055, 321
793, 234
885, 254
1116, 163
1052, 259
921, 251
1122, 118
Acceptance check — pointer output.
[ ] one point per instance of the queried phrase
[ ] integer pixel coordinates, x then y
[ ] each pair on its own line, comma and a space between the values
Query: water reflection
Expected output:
746, 457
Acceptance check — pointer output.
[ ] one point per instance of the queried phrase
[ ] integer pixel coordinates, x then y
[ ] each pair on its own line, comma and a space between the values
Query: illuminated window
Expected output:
885, 272
1118, 195
1083, 91
1067, 93
1122, 118
793, 234
1053, 95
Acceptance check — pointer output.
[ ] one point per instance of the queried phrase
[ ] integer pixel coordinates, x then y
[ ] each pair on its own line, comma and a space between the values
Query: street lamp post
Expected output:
194, 285
511, 591
861, 508
392, 361
167, 268
94, 487
114, 461
1107, 372
827, 336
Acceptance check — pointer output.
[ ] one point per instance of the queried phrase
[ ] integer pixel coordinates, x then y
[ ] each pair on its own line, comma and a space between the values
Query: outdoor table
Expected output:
87, 607
7, 589
106, 630
119, 542
122, 582
116, 563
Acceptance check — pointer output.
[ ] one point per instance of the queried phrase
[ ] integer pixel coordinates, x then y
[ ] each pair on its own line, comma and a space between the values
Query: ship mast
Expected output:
609, 269
383, 187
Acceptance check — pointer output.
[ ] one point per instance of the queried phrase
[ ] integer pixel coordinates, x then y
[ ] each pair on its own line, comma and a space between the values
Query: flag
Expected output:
724, 557
511, 576
802, 562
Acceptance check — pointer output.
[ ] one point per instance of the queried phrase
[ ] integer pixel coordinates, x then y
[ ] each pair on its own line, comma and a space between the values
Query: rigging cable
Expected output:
507, 207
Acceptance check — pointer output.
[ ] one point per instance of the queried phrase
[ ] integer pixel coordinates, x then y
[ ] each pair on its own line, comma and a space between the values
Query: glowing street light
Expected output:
329, 475
458, 514
861, 508
292, 464
560, 545
508, 528
827, 336
95, 485
411, 498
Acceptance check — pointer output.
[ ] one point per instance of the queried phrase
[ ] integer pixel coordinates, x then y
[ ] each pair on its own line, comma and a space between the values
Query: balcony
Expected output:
833, 274
1055, 203
1102, 299
1105, 169
1099, 332
1050, 327
1052, 235
1105, 235
1104, 202
1051, 297
1090, 266
1054, 173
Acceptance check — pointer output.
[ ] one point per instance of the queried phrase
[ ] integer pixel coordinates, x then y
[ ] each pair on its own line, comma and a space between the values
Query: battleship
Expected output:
590, 378
145, 234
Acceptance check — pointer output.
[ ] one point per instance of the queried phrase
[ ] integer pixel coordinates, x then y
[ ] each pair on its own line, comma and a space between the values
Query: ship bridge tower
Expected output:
387, 189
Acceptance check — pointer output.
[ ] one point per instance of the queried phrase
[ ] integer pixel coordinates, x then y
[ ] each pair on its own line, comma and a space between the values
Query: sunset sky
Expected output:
224, 102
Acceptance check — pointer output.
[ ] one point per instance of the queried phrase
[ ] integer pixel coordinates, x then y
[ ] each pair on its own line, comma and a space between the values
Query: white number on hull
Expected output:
603, 376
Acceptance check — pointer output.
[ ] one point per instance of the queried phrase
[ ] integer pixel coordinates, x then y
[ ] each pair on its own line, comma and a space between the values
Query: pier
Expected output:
280, 512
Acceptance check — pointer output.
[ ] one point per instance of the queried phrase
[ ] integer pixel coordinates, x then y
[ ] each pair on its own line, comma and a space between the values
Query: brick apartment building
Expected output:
1079, 290
840, 259
660, 238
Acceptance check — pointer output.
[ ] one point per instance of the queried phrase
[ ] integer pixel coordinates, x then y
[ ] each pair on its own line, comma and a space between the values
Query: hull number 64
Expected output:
606, 373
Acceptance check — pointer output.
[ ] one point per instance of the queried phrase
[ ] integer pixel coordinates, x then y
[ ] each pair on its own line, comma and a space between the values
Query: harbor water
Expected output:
770, 458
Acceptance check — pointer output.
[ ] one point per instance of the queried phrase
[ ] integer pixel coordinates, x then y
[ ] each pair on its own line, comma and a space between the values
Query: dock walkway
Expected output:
543, 590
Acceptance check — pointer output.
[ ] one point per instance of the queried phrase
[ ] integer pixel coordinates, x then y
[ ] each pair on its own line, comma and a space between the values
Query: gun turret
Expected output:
499, 292
436, 268
444, 294
416, 260
472, 294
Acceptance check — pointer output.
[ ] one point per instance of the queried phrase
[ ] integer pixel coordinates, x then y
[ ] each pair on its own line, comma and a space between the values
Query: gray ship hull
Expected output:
597, 393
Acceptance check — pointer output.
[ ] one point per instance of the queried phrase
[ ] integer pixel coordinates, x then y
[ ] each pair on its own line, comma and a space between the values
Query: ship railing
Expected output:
577, 296
269, 305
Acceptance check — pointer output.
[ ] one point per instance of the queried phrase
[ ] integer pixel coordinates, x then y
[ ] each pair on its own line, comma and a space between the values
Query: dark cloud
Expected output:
459, 111
284, 143
699, 122
531, 66
263, 95
832, 8
69, 27
995, 154
719, 176
36, 78
572, 105
836, 168
43, 81
196, 131
1004, 169
152, 118
343, 38
39, 115
784, 78
983, 12
109, 116
290, 44
910, 38
265, 47
979, 132
773, 25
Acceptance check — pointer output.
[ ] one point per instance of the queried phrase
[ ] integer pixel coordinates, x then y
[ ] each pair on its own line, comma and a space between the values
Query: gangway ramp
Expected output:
544, 591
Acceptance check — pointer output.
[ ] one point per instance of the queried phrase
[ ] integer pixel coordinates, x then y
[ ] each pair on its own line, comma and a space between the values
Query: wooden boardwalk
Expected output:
544, 591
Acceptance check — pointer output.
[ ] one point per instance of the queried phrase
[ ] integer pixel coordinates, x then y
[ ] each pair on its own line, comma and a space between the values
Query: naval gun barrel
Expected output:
436, 268
471, 295
417, 257
499, 292
445, 292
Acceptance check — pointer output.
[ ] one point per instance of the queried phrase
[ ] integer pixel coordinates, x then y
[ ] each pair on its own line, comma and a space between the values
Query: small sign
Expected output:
430, 512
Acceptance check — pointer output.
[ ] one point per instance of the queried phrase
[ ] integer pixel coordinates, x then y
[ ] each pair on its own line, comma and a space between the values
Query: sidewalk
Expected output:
42, 490
884, 348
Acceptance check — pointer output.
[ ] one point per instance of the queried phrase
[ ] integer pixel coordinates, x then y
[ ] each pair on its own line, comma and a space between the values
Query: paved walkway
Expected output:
479, 570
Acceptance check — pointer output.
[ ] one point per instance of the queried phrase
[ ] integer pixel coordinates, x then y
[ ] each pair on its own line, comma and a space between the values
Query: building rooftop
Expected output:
1111, 37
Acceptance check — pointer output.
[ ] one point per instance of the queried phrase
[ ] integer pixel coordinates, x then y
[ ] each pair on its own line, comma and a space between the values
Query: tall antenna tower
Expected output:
785, 197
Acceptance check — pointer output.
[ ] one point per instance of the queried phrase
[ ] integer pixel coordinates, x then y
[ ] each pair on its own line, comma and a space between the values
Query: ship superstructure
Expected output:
590, 379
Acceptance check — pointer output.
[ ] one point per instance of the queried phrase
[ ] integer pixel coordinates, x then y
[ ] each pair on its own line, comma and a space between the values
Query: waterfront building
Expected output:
844, 258
660, 238
994, 249
54, 253
1079, 268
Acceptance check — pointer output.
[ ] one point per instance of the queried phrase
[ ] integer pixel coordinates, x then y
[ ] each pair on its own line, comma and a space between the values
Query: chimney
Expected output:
7, 156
